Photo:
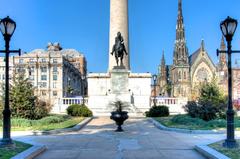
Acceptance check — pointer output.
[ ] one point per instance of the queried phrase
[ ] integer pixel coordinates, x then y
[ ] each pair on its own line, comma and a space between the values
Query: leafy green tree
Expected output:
211, 104
210, 91
22, 98
212, 94
23, 102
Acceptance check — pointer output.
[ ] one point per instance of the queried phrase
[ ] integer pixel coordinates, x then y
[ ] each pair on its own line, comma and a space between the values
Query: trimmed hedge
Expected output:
53, 119
158, 111
79, 110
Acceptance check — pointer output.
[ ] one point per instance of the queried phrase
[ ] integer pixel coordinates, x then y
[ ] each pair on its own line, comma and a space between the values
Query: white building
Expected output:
51, 72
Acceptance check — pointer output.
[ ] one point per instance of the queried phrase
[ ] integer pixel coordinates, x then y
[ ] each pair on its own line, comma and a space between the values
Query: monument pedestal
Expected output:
119, 85
119, 81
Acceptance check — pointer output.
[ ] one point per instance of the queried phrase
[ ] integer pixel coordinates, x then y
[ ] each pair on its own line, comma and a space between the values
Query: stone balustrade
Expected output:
175, 105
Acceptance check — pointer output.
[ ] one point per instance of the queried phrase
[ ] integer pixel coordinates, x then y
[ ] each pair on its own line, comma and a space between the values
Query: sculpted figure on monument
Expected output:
119, 48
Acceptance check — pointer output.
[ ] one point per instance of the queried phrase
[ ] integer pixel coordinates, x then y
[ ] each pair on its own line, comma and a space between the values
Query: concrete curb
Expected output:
31, 153
209, 152
162, 127
58, 131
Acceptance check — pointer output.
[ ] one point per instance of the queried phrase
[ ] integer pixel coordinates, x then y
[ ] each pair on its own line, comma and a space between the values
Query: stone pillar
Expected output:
118, 23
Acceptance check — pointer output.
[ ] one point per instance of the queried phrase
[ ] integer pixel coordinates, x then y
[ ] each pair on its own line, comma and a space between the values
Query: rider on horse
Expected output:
119, 48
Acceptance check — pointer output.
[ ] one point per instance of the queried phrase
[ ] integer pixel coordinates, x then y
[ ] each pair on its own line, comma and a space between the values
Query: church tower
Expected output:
162, 80
222, 57
222, 68
118, 23
181, 68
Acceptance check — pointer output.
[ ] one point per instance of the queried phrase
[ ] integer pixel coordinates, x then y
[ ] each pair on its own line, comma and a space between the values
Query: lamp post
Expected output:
83, 88
7, 27
228, 28
154, 85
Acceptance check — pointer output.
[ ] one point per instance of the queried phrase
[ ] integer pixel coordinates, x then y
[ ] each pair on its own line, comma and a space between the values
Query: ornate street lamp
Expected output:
154, 85
228, 28
7, 27
83, 88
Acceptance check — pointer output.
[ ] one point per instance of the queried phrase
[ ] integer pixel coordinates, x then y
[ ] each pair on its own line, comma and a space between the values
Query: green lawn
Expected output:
231, 153
48, 123
8, 152
186, 122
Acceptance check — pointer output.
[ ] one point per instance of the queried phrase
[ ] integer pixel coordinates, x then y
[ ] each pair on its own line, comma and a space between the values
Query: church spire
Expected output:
222, 56
180, 35
180, 50
163, 59
163, 74
202, 45
180, 8
222, 46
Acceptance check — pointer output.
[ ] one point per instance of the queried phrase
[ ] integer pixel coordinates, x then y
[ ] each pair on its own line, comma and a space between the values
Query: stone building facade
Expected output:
55, 72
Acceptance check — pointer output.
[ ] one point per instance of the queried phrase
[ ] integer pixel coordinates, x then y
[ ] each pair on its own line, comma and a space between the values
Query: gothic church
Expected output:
182, 78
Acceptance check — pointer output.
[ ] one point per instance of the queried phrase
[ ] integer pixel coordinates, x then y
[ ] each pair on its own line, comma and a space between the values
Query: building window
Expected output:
3, 77
54, 68
43, 68
31, 77
43, 60
20, 61
31, 60
55, 61
43, 84
54, 85
32, 69
43, 77
55, 77
184, 74
54, 93
44, 93
179, 75
21, 69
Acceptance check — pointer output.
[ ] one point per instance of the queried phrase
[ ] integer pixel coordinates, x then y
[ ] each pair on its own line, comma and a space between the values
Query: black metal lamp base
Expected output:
6, 143
230, 144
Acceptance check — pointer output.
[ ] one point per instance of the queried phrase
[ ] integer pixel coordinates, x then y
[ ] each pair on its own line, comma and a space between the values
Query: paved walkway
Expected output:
141, 140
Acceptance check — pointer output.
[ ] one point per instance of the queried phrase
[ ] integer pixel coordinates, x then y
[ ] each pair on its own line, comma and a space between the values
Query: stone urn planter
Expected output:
119, 116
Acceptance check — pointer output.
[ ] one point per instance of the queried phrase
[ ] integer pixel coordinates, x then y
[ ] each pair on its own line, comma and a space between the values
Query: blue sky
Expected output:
84, 25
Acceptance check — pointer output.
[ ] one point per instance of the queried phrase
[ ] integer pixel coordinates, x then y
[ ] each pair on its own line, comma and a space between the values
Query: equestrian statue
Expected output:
119, 49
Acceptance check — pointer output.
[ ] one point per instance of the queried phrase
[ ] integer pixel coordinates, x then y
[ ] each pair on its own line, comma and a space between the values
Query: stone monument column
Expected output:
118, 23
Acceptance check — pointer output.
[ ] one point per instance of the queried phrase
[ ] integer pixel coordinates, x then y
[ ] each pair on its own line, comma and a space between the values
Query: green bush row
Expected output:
216, 123
158, 111
53, 119
79, 110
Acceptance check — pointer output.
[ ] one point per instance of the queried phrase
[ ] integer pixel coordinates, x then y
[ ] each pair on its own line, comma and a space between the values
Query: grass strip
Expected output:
231, 153
9, 152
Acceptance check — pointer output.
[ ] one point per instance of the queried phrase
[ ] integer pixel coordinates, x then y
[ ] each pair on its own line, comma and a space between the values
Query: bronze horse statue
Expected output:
119, 48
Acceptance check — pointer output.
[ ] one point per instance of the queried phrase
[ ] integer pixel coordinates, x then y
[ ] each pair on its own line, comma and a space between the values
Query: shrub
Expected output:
22, 101
42, 109
51, 120
192, 109
20, 122
1, 110
79, 110
183, 119
236, 104
205, 110
212, 103
158, 111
